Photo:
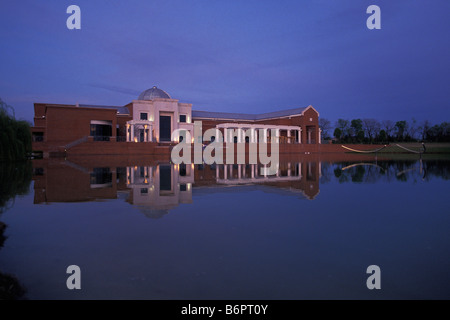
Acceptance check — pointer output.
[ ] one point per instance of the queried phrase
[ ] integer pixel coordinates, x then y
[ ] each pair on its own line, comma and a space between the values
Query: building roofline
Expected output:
251, 117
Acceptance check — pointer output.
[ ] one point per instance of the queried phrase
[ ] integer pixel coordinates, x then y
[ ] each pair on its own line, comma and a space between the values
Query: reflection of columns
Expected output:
217, 172
239, 171
289, 169
225, 171
231, 171
252, 169
289, 136
244, 171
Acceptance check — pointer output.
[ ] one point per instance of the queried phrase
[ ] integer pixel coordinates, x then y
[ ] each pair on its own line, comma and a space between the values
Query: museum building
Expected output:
151, 119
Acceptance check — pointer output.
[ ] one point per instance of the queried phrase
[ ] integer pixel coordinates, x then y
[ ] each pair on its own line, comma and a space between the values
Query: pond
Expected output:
146, 229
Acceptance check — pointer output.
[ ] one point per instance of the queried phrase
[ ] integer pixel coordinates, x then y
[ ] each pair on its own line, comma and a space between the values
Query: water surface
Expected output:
142, 229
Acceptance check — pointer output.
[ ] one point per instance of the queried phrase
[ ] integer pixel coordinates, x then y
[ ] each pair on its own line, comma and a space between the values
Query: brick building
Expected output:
147, 123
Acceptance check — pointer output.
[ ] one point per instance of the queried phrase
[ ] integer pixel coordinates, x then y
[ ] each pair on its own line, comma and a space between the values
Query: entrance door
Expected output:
165, 128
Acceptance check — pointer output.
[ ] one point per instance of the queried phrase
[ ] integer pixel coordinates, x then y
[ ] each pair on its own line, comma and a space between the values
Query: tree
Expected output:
337, 133
424, 128
371, 127
325, 125
388, 126
413, 129
356, 127
382, 136
343, 126
400, 128
15, 136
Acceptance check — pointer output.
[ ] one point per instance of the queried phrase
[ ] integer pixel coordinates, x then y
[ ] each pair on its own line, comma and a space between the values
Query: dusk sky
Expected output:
232, 56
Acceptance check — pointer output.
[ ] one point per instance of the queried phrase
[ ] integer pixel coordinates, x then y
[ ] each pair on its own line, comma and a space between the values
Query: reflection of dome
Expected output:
153, 213
153, 93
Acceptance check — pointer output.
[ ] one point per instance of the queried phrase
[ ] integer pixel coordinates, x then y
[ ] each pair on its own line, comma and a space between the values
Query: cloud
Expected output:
115, 89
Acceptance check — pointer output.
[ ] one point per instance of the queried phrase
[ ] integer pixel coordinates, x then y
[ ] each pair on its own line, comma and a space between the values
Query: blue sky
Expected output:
232, 56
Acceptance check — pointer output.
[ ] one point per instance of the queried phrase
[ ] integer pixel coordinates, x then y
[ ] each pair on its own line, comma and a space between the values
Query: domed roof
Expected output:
153, 93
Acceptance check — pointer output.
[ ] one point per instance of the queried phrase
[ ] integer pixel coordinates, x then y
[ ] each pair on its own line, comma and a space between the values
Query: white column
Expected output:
128, 132
277, 135
289, 135
265, 135
239, 135
300, 135
132, 175
320, 135
150, 134
217, 135
132, 132
225, 135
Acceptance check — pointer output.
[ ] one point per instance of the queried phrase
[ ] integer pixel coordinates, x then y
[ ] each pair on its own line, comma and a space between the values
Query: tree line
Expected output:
386, 131
15, 135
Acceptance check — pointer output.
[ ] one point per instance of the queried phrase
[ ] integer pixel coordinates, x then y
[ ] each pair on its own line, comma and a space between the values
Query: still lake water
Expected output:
149, 230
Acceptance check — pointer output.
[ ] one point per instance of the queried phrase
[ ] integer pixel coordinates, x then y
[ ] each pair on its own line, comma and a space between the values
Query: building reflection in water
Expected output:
155, 189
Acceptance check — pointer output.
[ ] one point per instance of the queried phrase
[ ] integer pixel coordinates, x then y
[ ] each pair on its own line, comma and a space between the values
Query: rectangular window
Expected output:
144, 116
182, 118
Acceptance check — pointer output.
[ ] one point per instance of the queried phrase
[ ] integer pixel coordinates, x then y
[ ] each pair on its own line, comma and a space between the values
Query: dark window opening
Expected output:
182, 118
144, 116
101, 132
38, 136
101, 176
183, 187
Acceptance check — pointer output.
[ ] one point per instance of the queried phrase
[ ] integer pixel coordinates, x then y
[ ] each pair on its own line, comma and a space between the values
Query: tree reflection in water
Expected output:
15, 180
388, 171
